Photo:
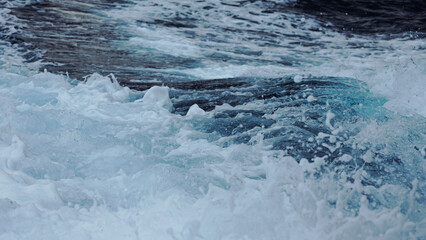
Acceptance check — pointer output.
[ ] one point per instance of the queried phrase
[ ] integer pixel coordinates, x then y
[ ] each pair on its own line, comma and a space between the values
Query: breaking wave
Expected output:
209, 120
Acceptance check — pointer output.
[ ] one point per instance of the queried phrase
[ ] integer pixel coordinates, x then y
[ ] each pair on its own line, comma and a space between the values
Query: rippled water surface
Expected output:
212, 119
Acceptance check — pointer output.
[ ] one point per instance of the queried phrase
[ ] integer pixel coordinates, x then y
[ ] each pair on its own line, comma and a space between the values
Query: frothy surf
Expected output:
86, 161
219, 141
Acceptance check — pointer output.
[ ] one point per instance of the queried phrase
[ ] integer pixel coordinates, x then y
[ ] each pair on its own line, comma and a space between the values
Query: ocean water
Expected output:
216, 119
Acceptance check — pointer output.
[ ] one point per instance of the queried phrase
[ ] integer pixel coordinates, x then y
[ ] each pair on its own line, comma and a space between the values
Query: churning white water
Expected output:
338, 151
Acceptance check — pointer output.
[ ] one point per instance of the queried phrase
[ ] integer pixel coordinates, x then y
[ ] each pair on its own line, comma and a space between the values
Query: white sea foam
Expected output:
84, 162
195, 110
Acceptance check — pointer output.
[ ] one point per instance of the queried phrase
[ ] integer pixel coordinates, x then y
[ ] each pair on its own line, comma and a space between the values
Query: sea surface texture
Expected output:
212, 119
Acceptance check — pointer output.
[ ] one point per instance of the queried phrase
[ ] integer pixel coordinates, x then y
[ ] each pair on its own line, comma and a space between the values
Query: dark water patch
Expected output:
272, 95
172, 22
366, 17
278, 92
75, 37
72, 37
200, 85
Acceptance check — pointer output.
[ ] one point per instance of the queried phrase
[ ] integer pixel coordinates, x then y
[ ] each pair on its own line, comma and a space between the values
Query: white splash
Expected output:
84, 162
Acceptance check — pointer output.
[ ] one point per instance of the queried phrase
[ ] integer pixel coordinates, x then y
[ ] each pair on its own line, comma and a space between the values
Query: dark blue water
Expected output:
63, 34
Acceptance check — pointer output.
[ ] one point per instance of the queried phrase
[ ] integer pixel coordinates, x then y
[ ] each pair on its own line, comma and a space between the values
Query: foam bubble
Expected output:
158, 96
195, 110
297, 79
